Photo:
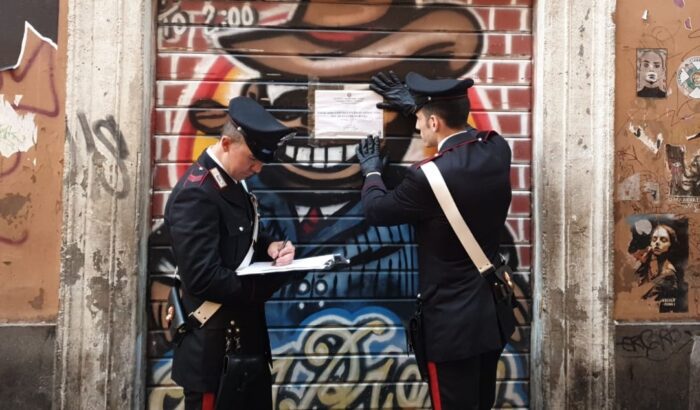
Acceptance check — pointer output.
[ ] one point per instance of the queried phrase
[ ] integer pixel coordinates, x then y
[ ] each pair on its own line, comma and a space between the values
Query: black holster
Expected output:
178, 325
240, 371
416, 339
499, 279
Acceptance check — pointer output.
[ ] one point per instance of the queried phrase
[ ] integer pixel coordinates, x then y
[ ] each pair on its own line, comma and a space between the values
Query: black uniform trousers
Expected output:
464, 384
258, 397
199, 401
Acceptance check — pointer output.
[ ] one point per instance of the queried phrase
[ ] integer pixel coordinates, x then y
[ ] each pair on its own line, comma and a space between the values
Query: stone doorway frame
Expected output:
101, 328
572, 356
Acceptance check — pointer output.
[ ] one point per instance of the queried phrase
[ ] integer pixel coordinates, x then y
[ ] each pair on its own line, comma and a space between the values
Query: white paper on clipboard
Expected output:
321, 262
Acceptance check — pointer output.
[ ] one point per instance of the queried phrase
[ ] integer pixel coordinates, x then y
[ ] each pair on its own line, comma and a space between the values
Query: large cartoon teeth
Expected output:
336, 154
301, 212
289, 151
320, 157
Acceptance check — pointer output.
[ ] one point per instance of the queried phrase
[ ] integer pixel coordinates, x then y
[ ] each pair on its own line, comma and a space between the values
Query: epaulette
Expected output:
196, 176
481, 136
485, 135
426, 160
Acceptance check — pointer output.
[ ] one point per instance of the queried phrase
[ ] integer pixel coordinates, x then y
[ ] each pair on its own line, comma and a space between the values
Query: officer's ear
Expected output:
226, 142
434, 122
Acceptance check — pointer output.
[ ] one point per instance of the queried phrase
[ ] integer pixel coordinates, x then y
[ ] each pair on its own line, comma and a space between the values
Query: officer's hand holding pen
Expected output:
282, 252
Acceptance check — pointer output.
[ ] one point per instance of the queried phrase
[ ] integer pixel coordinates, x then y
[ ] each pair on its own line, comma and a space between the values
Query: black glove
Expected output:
396, 94
368, 154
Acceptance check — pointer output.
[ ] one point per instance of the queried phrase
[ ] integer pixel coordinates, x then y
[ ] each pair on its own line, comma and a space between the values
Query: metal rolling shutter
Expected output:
337, 337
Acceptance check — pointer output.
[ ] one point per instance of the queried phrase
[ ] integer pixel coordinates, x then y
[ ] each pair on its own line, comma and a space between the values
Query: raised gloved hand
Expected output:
368, 154
395, 93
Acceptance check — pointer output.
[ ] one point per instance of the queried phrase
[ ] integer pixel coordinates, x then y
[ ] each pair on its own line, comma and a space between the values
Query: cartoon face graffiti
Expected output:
278, 53
337, 47
336, 31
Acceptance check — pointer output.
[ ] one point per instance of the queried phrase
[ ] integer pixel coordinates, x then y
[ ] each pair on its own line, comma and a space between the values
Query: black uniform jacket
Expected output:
458, 308
211, 228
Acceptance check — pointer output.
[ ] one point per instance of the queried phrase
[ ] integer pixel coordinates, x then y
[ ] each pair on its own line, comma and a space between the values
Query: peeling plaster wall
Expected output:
32, 138
657, 144
657, 201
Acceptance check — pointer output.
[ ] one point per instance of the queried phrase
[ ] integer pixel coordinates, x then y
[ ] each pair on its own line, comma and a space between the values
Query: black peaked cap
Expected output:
425, 90
262, 132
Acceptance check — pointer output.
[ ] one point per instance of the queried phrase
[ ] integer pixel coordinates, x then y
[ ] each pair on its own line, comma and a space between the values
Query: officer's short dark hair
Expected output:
230, 130
454, 112
261, 131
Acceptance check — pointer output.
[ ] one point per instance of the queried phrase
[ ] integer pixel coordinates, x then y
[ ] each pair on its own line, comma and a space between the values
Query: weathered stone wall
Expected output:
100, 328
572, 176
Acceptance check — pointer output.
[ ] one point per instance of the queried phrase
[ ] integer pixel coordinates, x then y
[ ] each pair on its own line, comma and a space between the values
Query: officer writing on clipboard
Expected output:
461, 333
214, 229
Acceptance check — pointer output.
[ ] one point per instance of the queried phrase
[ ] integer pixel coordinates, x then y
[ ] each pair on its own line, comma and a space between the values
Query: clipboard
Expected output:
321, 262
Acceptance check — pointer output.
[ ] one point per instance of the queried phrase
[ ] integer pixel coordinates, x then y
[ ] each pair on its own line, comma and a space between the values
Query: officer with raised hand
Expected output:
461, 334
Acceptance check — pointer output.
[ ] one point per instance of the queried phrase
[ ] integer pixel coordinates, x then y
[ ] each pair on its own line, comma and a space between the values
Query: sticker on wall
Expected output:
628, 190
651, 72
684, 183
689, 77
18, 132
659, 246
640, 133
651, 189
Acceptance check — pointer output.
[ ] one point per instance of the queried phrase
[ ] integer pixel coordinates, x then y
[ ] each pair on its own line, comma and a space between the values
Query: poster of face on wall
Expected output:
684, 170
651, 72
656, 265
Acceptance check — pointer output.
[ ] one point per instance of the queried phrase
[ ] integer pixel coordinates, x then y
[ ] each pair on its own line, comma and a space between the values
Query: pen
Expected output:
284, 243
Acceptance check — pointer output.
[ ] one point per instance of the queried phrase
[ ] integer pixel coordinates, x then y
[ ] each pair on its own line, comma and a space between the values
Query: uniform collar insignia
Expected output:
218, 177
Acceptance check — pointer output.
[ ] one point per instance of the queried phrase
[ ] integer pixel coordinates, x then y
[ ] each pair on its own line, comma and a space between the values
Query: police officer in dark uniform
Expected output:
212, 220
462, 337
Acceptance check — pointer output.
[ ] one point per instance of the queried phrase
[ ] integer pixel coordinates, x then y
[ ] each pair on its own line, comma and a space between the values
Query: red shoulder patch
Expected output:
196, 176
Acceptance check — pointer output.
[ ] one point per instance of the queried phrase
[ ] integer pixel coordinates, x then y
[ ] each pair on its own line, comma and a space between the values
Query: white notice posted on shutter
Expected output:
347, 114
